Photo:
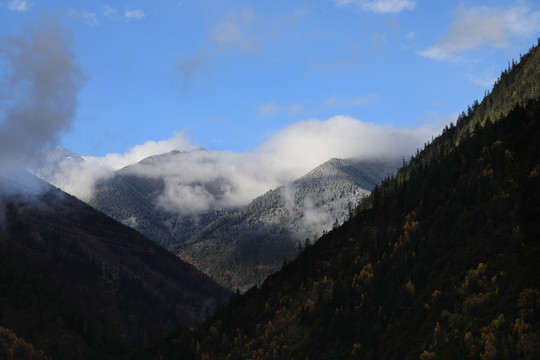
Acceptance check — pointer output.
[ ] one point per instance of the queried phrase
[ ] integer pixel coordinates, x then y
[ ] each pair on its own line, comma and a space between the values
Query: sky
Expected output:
103, 78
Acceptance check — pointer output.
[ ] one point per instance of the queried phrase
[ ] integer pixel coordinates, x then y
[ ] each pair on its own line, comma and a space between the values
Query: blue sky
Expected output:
233, 75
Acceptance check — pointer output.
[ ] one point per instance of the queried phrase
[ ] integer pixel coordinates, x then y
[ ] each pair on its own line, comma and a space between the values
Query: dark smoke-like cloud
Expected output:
40, 82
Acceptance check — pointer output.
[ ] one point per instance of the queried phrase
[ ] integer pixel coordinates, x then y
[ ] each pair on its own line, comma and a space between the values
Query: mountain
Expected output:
78, 284
439, 262
237, 246
132, 195
48, 163
241, 248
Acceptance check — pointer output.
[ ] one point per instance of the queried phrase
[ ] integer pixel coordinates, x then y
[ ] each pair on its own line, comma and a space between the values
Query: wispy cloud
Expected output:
339, 102
134, 14
483, 26
234, 32
379, 6
269, 109
19, 5
86, 16
109, 11
295, 109
127, 15
486, 81
190, 66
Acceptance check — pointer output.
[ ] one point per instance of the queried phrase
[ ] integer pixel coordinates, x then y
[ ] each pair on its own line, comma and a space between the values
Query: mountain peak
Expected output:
154, 159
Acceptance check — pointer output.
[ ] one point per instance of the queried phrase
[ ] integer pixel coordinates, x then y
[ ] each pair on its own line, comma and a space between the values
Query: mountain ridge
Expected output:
270, 229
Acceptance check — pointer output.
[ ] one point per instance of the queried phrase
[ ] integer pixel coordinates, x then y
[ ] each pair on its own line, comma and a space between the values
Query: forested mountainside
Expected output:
132, 198
240, 249
440, 262
516, 85
78, 284
13, 347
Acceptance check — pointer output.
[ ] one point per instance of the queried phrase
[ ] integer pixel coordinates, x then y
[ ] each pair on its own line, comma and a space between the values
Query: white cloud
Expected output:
86, 16
269, 109
135, 14
521, 21
198, 180
109, 11
116, 161
380, 6
78, 178
19, 5
481, 26
313, 142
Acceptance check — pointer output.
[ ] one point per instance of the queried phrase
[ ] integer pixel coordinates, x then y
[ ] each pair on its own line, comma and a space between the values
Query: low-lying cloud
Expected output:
196, 181
78, 176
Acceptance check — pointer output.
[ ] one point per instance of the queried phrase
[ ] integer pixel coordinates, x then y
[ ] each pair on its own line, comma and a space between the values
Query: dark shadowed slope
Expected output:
78, 284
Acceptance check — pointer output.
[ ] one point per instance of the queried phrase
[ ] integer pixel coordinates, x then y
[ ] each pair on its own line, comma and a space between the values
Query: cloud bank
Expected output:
78, 176
196, 181
40, 83
483, 26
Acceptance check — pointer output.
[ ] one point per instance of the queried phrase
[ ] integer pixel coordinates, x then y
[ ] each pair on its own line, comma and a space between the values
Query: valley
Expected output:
313, 224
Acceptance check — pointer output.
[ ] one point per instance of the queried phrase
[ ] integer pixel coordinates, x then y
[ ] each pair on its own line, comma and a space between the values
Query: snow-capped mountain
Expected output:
241, 248
48, 163
132, 196
178, 200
